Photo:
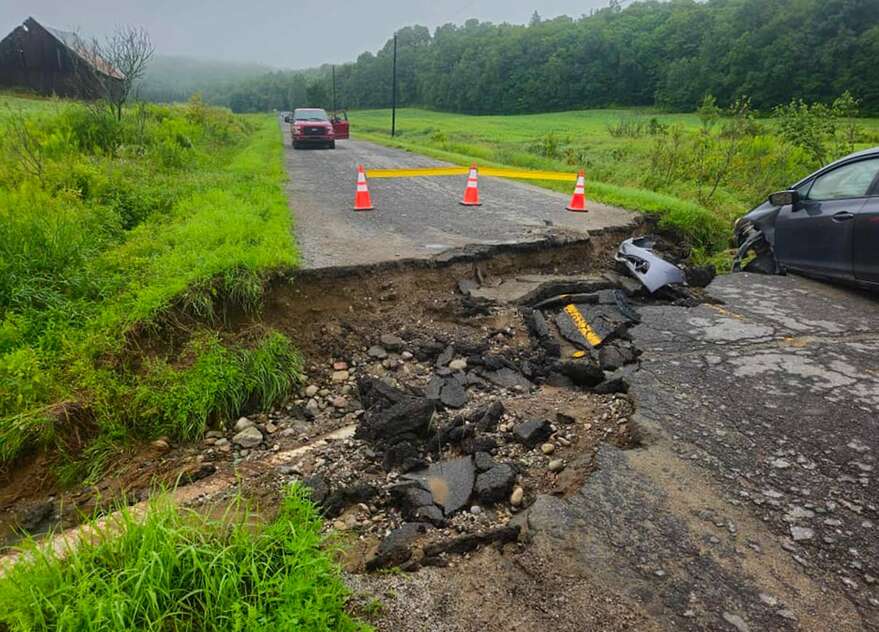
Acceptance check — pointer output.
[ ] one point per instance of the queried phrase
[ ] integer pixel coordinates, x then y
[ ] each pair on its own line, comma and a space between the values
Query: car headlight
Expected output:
741, 224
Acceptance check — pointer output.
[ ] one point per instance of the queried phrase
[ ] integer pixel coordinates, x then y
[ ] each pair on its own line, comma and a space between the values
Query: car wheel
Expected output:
332, 144
295, 145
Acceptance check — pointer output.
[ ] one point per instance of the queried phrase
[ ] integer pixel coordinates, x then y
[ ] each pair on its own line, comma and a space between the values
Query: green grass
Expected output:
621, 169
168, 218
177, 570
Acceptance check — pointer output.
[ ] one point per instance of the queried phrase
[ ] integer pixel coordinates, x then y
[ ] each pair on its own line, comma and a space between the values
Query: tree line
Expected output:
667, 54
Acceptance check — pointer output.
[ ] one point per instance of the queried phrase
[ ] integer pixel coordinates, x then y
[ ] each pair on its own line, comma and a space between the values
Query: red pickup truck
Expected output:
312, 126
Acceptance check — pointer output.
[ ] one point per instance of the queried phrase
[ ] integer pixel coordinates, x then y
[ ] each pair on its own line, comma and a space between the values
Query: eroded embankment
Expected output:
469, 355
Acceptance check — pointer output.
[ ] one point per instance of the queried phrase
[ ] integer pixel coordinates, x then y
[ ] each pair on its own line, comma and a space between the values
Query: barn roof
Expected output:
78, 46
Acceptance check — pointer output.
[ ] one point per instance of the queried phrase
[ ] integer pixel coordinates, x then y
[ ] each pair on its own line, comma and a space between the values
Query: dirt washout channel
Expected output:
441, 400
331, 314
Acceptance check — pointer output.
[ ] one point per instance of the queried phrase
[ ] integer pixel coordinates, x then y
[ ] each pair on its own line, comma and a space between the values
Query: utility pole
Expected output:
394, 92
334, 89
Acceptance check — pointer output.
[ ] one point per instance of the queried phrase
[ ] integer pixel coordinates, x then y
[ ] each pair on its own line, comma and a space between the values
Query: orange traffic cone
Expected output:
361, 198
471, 193
578, 200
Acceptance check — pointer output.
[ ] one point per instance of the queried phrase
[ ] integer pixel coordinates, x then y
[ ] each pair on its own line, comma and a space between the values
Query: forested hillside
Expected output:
668, 54
175, 78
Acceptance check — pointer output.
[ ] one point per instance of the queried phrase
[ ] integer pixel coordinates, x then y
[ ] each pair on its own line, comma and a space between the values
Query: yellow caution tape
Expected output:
582, 326
415, 173
519, 174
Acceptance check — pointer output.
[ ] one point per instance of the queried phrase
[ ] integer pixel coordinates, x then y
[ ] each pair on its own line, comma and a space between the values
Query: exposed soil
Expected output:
421, 335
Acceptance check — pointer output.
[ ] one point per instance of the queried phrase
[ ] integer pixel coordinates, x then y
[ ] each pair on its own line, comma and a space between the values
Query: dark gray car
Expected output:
826, 225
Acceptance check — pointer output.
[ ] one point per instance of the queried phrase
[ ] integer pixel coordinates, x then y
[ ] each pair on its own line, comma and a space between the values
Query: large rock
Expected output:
392, 342
338, 500
248, 438
487, 418
506, 377
318, 488
495, 485
409, 497
453, 394
532, 433
449, 482
616, 355
394, 549
582, 372
392, 416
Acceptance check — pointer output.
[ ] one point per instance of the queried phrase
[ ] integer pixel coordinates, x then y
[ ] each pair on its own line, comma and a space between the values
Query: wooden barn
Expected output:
52, 62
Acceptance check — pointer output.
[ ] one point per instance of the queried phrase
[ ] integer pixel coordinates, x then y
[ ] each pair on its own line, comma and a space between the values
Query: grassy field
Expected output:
176, 570
109, 227
638, 159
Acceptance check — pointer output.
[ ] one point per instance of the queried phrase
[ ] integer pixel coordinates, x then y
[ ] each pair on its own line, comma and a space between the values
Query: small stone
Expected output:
736, 621
340, 376
784, 613
391, 342
458, 364
311, 390
242, 423
340, 366
517, 497
377, 352
250, 437
406, 355
780, 464
476, 510
769, 600
556, 465
801, 534
547, 448
340, 402
161, 444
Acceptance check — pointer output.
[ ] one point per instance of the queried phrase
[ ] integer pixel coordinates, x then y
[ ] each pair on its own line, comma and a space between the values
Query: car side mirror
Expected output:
784, 198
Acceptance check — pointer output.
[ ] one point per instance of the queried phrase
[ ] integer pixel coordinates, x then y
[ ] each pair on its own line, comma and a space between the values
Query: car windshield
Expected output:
310, 115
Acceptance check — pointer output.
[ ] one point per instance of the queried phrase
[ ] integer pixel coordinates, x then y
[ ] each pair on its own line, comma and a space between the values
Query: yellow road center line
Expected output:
520, 174
582, 326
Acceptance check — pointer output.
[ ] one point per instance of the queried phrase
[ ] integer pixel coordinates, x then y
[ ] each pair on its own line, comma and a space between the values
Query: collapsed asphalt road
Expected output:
416, 217
750, 505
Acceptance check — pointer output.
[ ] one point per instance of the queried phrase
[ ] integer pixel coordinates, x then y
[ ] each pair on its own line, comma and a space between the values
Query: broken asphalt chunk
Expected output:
495, 484
532, 433
394, 549
506, 377
581, 372
449, 482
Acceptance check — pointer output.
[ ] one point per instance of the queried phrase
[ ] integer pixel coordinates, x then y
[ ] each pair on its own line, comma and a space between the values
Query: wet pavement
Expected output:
417, 217
752, 504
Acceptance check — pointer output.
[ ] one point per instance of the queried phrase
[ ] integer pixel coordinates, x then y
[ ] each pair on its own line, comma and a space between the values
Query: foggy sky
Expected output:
281, 33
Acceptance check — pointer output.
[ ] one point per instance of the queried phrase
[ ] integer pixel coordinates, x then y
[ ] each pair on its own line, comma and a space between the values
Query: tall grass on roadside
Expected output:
110, 229
177, 570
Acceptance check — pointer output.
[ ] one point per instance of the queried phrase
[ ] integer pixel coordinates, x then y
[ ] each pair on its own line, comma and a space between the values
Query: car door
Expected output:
340, 125
816, 235
866, 238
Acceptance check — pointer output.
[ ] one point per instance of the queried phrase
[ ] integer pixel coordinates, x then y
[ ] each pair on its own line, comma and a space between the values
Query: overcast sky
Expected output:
282, 33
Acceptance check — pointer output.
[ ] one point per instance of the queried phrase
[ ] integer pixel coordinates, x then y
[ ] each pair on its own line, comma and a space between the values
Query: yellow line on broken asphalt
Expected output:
582, 326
